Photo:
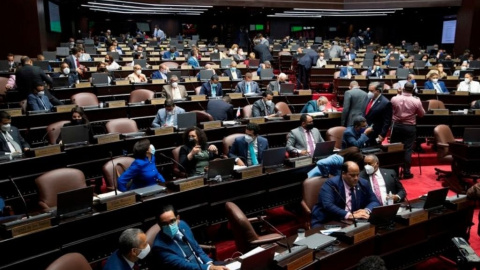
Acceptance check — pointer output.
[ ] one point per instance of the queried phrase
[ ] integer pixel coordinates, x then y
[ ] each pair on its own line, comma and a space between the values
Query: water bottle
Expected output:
390, 198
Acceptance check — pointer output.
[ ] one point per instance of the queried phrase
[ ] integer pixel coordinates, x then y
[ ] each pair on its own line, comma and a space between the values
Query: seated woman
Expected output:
78, 117
332, 165
320, 105
37, 101
143, 171
111, 64
194, 154
102, 68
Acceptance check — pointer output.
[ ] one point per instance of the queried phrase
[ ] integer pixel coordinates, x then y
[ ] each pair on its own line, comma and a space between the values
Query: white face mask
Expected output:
6, 127
321, 107
138, 72
467, 80
66, 71
248, 138
435, 80
370, 95
41, 93
321, 58
175, 84
369, 169
144, 252
269, 102
463, 68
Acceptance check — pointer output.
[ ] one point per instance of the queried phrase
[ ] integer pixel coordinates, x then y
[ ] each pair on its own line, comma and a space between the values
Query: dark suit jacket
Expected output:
228, 72
258, 108
344, 72
353, 138
263, 52
116, 262
166, 254
34, 103
220, 110
27, 77
379, 72
240, 88
207, 89
309, 59
71, 63
429, 85
380, 115
391, 182
240, 148
331, 206
16, 137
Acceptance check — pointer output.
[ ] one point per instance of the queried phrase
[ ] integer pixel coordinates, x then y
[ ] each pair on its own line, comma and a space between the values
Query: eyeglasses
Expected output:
172, 221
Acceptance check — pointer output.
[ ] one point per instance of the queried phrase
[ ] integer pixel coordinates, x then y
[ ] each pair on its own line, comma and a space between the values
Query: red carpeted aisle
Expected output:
288, 222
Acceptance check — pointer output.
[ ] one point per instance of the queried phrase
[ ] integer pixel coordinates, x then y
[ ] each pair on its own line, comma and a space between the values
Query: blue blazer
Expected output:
166, 254
192, 61
143, 173
240, 148
352, 57
379, 72
207, 89
331, 206
310, 106
429, 85
116, 262
228, 72
352, 138
168, 55
157, 75
34, 103
344, 72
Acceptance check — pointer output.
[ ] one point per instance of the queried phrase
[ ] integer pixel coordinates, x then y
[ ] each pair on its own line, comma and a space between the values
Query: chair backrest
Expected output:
392, 72
283, 108
60, 180
172, 65
243, 231
311, 188
70, 261
121, 125
435, 104
197, 90
203, 116
336, 134
443, 135
176, 157
364, 73
140, 95
247, 111
53, 131
111, 173
152, 233
23, 105
228, 141
336, 74
387, 87
84, 99
396, 86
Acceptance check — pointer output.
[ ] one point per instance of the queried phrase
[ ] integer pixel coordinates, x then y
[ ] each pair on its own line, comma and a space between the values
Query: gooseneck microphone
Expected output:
20, 194
278, 231
344, 201
174, 161
113, 173
44, 136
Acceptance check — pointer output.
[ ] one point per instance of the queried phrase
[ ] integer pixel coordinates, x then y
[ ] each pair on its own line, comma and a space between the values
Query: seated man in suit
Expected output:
434, 83
303, 139
348, 55
132, 246
248, 150
264, 106
212, 88
167, 117
37, 101
233, 73
469, 84
174, 90
175, 246
137, 76
382, 181
320, 105
376, 70
65, 72
356, 135
11, 142
248, 86
410, 79
171, 54
193, 59
348, 71
344, 197
221, 109
161, 73
277, 85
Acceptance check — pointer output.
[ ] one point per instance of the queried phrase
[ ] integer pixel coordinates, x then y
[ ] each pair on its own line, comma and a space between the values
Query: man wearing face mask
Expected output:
321, 62
302, 140
132, 246
348, 55
348, 71
469, 84
248, 86
37, 101
378, 112
375, 71
434, 83
320, 105
167, 117
463, 67
66, 72
249, 148
171, 54
212, 88
73, 61
143, 171
410, 79
383, 182
175, 246
358, 134
11, 142
264, 106
174, 90
137, 76
233, 73
161, 73
277, 85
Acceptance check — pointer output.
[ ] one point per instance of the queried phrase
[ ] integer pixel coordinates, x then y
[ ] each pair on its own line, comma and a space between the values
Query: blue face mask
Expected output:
152, 149
362, 130
350, 67
214, 85
170, 230
233, 68
413, 81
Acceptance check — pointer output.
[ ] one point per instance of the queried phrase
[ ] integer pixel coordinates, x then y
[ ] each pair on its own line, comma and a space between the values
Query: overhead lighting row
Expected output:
318, 13
127, 7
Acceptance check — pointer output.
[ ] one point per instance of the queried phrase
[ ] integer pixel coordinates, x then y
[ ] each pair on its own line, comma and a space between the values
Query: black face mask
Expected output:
192, 142
101, 69
77, 121
347, 53
309, 126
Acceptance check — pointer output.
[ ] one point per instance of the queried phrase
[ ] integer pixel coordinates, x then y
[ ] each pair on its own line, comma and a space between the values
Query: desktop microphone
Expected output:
20, 194
185, 240
278, 231
344, 201
113, 173
248, 102
44, 136
409, 206
174, 161
200, 104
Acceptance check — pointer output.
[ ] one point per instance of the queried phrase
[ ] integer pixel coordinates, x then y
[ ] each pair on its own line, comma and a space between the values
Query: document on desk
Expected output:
99, 197
236, 265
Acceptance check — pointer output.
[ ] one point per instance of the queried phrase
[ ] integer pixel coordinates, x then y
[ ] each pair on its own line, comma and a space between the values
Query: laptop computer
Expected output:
461, 76
206, 74
222, 167
75, 135
149, 191
74, 202
91, 50
100, 78
225, 63
42, 64
215, 57
475, 64
323, 149
141, 62
63, 51
114, 55
316, 241
176, 73
266, 73
253, 63
4, 66
186, 120
258, 261
60, 82
419, 64
367, 63
471, 136
425, 105
435, 200
402, 73
383, 215
287, 89
50, 56
274, 157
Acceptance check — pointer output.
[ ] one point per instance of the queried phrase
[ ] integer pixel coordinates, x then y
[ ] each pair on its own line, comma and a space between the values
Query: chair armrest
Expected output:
305, 208
442, 144
255, 219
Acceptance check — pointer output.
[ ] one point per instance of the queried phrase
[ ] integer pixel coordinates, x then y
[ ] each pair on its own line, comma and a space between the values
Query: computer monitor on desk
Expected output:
75, 135
471, 136
74, 202
186, 120
274, 157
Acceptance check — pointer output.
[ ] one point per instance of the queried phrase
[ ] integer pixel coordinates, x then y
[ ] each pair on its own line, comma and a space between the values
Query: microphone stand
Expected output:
114, 180
278, 231
44, 136
21, 196
174, 161
346, 205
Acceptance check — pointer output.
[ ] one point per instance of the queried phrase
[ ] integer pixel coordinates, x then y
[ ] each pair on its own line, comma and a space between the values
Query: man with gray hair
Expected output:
132, 246
353, 104
335, 51
276, 85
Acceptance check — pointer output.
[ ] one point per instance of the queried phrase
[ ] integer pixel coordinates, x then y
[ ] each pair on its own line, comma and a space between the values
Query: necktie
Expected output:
310, 142
13, 142
247, 87
168, 120
353, 200
77, 62
214, 91
253, 156
369, 106
186, 249
376, 189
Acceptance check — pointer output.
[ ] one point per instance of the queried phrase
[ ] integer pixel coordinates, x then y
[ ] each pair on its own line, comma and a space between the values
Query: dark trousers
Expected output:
405, 134
303, 76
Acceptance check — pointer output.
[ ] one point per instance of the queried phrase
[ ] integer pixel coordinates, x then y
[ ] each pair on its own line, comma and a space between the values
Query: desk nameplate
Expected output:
27, 226
14, 112
163, 130
191, 79
297, 261
83, 85
257, 120
157, 101
47, 150
191, 184
414, 217
250, 172
462, 93
211, 124
334, 114
108, 138
158, 81
122, 82
235, 95
121, 200
65, 108
304, 92
198, 97
295, 116
440, 111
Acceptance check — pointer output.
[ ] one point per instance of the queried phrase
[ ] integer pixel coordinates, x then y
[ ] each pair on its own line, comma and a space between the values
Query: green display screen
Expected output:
259, 27
296, 28
54, 15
